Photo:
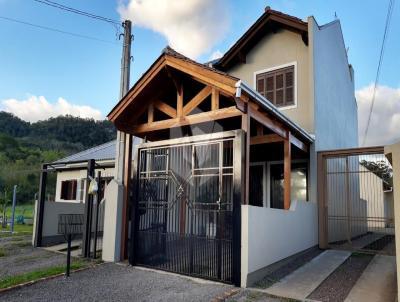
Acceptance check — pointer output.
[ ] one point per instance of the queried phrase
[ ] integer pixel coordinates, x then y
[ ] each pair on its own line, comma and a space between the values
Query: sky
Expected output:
45, 73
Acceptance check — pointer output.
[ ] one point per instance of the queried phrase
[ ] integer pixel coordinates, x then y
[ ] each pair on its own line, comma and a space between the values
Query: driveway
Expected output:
117, 282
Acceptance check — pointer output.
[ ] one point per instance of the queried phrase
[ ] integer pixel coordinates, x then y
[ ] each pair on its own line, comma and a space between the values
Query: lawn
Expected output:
41, 273
22, 263
19, 229
26, 210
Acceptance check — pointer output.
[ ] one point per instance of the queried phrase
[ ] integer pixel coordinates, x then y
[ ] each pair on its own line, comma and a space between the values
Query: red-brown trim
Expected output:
270, 15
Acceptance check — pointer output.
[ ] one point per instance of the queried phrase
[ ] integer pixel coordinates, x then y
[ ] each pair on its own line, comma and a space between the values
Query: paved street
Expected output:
113, 282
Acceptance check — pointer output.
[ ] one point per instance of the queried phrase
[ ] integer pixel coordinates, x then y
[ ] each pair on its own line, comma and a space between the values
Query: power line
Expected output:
57, 30
385, 33
77, 11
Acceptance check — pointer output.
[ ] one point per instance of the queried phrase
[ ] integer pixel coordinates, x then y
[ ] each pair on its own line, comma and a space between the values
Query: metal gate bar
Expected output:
356, 200
184, 208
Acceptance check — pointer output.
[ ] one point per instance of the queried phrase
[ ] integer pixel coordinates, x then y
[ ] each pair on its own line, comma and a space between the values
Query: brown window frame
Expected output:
264, 79
68, 189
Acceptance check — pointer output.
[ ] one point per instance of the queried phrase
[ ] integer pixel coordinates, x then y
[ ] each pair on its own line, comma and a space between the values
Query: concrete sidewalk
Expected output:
302, 282
377, 283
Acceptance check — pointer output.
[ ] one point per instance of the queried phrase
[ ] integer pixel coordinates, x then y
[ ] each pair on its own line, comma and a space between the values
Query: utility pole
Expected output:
125, 71
116, 205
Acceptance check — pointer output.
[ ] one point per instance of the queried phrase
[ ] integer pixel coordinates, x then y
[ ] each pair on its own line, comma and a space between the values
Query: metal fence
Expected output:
357, 198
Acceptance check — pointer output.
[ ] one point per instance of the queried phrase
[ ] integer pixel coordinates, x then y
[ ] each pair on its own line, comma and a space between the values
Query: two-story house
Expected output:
224, 184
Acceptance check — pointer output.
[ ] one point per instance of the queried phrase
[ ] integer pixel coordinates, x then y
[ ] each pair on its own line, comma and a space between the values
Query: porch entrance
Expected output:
357, 211
185, 210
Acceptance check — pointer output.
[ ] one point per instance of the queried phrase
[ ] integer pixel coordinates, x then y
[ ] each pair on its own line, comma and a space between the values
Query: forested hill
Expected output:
66, 134
24, 146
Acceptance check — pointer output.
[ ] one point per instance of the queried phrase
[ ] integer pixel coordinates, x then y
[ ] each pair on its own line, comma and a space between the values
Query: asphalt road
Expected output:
114, 282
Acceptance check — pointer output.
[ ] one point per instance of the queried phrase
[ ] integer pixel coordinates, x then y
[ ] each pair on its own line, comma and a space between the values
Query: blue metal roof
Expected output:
105, 151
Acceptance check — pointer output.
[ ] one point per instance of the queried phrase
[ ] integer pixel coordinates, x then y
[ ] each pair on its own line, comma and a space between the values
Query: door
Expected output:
184, 209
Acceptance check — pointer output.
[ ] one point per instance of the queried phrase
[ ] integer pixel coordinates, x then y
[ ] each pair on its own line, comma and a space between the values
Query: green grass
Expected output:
2, 252
26, 210
38, 274
19, 229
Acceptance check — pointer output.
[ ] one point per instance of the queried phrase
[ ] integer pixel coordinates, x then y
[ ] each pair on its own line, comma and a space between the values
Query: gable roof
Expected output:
101, 152
270, 20
226, 82
170, 57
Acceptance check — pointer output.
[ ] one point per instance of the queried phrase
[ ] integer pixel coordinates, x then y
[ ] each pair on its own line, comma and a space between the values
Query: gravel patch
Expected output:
113, 282
338, 285
20, 257
287, 268
380, 244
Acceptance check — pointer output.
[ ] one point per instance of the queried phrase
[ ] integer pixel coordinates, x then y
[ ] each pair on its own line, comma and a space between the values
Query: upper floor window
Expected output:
277, 86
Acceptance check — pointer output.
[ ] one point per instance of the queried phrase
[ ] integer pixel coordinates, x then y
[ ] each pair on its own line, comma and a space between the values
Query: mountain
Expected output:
25, 146
66, 134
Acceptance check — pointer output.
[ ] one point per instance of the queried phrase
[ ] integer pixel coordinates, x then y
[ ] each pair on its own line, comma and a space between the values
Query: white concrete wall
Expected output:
335, 111
51, 212
279, 49
77, 175
392, 152
335, 107
270, 235
112, 222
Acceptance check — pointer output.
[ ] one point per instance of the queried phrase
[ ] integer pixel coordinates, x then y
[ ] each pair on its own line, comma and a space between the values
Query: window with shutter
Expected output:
68, 189
277, 86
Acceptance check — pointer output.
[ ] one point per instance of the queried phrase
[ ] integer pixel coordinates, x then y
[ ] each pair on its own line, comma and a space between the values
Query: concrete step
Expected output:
63, 246
303, 281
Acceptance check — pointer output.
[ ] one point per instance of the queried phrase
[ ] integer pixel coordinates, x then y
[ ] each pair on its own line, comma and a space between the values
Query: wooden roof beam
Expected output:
298, 143
265, 139
197, 100
266, 121
185, 120
165, 108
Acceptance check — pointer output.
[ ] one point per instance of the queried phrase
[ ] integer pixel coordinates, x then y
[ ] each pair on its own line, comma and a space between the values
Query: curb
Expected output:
21, 285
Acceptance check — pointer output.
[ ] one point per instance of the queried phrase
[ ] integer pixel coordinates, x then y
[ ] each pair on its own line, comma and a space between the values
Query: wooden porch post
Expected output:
287, 172
246, 128
127, 185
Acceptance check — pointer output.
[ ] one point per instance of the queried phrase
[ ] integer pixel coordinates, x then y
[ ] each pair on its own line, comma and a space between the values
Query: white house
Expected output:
226, 184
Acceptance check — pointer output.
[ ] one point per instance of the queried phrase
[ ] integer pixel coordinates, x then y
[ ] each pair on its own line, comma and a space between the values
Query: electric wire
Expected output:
57, 30
385, 34
77, 11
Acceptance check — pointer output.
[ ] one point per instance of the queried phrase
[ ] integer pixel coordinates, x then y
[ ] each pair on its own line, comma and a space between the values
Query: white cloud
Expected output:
36, 108
191, 27
384, 127
216, 55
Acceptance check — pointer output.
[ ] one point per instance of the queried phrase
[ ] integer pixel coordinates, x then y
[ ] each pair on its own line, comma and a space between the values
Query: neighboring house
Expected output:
227, 183
71, 183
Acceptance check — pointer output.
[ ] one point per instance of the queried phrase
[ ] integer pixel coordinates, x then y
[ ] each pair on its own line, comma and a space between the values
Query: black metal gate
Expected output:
184, 209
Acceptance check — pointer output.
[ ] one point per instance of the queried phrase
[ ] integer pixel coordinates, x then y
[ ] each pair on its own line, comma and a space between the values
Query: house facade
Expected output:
224, 183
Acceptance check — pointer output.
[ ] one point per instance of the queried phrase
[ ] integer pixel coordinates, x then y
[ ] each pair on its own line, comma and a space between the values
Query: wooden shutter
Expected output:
277, 86
72, 191
261, 85
68, 189
289, 87
64, 190
270, 95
